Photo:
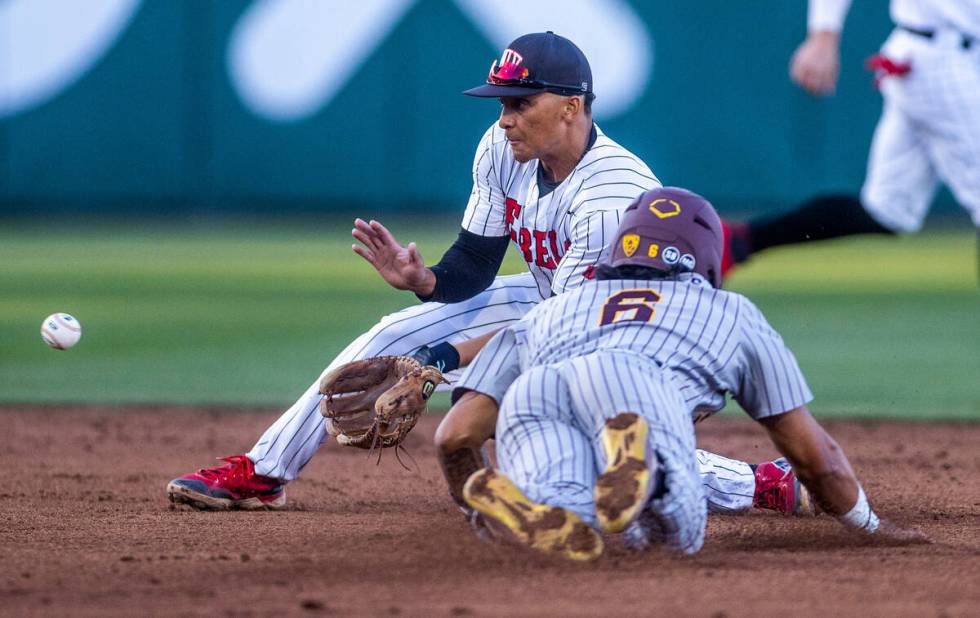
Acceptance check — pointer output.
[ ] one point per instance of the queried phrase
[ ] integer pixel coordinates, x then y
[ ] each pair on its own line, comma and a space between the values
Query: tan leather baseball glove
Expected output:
375, 402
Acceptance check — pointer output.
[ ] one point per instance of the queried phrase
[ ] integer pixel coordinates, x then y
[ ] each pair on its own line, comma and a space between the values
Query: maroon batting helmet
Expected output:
672, 230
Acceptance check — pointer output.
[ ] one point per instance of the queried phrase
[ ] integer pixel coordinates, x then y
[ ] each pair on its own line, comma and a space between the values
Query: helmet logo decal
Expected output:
671, 255
688, 262
653, 250
631, 242
664, 208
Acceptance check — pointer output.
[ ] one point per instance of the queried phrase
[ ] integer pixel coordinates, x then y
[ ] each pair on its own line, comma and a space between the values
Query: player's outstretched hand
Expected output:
816, 63
891, 533
402, 267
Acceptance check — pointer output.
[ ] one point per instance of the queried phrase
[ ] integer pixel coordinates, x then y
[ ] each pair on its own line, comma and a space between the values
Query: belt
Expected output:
966, 41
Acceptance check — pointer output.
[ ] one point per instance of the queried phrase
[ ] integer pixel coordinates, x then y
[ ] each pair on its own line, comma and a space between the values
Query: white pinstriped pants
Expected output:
548, 437
929, 131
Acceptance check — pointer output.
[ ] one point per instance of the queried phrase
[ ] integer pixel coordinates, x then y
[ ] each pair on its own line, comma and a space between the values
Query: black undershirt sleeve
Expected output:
468, 267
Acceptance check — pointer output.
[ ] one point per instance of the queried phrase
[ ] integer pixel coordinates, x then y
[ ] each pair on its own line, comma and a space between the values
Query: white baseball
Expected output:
61, 331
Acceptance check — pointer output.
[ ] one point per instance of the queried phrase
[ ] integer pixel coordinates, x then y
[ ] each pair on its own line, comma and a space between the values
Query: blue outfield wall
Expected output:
277, 106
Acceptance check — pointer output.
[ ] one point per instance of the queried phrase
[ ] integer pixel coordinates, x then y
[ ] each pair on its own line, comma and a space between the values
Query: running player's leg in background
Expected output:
291, 441
948, 110
899, 185
900, 181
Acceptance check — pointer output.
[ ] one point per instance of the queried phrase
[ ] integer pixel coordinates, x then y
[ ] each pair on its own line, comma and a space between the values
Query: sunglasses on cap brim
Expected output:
512, 74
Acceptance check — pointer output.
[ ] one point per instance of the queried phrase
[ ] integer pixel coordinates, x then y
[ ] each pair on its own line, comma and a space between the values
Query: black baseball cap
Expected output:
536, 63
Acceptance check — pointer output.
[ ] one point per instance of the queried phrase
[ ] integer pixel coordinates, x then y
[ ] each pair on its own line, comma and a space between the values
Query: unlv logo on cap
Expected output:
509, 70
510, 57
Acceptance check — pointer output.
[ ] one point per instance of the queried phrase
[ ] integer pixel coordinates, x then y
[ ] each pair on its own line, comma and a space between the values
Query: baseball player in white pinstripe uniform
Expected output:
599, 388
929, 131
545, 179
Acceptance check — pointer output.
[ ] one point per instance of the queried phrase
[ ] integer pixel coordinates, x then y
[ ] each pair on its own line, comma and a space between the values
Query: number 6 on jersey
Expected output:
629, 306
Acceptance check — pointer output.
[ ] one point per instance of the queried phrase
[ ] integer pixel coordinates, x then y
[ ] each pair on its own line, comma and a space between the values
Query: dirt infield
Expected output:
86, 529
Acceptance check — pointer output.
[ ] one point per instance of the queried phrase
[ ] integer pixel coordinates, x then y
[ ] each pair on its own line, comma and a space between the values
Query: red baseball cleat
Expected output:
736, 245
778, 489
234, 486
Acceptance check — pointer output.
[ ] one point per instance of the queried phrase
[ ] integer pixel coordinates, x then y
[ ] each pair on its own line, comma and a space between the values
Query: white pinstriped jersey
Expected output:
711, 341
962, 15
561, 235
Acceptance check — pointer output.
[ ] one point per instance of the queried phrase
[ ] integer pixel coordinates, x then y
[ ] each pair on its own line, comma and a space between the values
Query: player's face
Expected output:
533, 124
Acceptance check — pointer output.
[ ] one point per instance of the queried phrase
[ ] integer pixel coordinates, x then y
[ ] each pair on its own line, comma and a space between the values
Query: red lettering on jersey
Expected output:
525, 242
538, 251
543, 259
513, 210
553, 240
589, 272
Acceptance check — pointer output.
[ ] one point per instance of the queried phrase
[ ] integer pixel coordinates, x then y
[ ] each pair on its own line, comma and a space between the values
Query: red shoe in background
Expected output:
778, 489
233, 486
736, 245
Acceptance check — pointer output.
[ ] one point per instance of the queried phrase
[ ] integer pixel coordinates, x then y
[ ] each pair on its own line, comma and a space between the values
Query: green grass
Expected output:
250, 313
881, 326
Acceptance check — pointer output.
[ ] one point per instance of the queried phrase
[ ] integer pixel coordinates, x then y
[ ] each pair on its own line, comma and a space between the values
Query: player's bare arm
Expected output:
815, 65
401, 266
822, 466
471, 347
460, 438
